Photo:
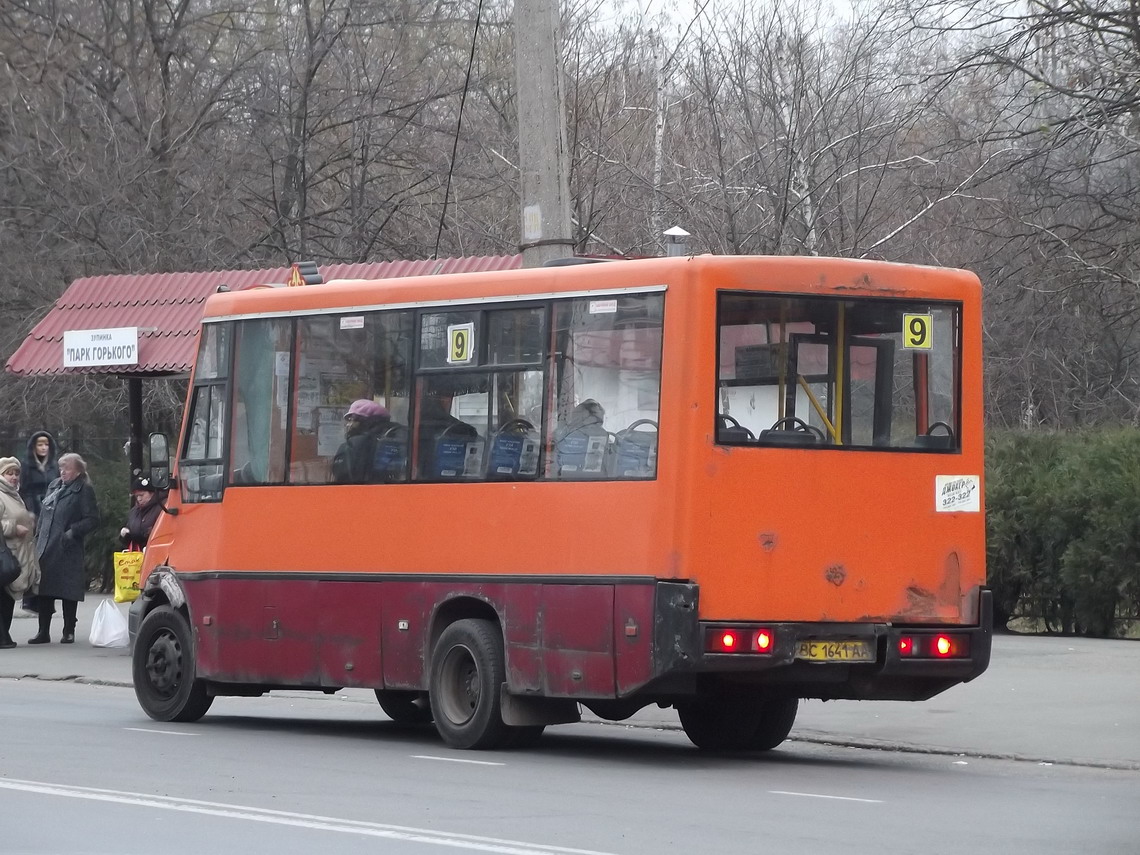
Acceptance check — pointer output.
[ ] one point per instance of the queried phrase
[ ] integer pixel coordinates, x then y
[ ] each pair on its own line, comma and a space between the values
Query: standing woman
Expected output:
68, 513
143, 514
39, 470
16, 527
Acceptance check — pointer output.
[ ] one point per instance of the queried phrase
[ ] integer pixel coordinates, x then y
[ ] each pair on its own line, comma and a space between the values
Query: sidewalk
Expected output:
1057, 700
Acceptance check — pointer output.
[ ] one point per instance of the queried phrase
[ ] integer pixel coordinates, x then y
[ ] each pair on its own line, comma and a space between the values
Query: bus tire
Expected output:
467, 674
404, 707
776, 720
718, 723
163, 668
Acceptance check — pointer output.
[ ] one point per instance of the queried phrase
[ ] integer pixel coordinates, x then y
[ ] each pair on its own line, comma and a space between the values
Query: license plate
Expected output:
835, 651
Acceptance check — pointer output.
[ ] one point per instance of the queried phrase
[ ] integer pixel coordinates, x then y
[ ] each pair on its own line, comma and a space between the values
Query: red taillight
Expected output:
739, 639
941, 646
764, 641
723, 641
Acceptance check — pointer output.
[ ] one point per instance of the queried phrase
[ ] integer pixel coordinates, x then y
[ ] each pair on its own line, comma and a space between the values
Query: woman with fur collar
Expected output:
17, 527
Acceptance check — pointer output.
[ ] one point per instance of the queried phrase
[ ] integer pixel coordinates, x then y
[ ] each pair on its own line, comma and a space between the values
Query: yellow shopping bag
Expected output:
128, 571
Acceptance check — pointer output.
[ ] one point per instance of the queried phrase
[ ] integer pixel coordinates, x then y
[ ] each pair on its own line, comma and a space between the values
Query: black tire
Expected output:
163, 669
467, 675
717, 723
776, 719
404, 707
743, 721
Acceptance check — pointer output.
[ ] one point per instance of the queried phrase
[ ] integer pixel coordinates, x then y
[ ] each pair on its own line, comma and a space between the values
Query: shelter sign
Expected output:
87, 348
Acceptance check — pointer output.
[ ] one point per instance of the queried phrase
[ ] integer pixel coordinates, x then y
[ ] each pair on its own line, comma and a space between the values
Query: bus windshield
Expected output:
826, 372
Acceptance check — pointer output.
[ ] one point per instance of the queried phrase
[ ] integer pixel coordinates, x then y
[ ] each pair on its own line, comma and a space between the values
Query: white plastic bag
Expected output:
109, 627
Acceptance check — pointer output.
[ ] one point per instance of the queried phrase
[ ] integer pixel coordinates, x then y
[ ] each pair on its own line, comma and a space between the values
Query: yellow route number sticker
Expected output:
460, 343
918, 332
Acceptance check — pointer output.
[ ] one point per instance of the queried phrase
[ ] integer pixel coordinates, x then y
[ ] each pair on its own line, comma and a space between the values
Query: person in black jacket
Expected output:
144, 513
353, 462
38, 471
68, 514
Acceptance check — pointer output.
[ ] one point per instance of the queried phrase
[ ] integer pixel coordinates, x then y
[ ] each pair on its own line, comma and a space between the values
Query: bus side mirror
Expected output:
159, 461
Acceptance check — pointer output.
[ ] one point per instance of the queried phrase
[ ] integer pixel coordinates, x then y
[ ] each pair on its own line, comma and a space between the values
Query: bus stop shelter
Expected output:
142, 326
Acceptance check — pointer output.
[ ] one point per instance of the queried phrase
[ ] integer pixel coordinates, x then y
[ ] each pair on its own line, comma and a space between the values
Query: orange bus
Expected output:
720, 484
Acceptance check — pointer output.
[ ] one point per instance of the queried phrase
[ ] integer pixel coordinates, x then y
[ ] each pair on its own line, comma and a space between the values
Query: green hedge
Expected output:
1063, 529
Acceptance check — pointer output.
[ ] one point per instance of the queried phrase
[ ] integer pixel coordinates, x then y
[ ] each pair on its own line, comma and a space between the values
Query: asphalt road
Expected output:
84, 772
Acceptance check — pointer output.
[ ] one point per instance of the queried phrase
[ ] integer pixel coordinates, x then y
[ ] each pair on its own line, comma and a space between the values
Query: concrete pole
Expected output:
543, 159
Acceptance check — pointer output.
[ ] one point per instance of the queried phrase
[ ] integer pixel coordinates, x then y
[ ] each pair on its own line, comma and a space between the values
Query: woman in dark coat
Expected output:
67, 515
38, 471
142, 516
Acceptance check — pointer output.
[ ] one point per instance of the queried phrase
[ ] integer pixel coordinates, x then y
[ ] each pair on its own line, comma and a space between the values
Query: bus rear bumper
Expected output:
910, 662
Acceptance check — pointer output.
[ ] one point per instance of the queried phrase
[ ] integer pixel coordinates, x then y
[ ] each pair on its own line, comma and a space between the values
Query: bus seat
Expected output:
730, 430
580, 452
792, 431
514, 451
390, 457
938, 440
635, 451
938, 435
458, 452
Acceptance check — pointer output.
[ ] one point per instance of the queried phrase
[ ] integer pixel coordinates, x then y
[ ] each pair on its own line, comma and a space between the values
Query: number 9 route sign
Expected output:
918, 332
460, 343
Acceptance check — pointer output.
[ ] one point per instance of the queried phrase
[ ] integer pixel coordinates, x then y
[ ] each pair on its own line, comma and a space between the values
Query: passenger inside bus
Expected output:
363, 423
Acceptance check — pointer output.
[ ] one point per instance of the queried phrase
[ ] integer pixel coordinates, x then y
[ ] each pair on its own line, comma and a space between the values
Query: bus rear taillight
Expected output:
941, 646
739, 640
726, 641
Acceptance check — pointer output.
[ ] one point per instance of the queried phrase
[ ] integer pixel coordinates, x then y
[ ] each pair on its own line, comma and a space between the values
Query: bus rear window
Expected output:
852, 373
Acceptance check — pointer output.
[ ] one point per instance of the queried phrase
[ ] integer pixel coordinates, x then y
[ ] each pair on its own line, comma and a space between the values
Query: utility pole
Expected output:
543, 159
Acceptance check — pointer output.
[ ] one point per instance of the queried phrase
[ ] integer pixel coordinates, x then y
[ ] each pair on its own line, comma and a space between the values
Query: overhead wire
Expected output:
458, 128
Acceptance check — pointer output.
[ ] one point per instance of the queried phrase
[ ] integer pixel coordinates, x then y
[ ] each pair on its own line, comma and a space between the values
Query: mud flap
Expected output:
524, 711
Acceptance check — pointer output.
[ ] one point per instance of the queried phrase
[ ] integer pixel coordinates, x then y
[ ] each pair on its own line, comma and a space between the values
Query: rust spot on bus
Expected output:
950, 591
767, 540
835, 574
920, 602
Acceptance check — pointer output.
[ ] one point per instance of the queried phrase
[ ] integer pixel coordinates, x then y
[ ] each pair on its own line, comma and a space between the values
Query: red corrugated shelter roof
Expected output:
167, 308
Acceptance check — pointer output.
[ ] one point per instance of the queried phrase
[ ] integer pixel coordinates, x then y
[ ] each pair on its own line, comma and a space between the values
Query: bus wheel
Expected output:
776, 719
718, 723
404, 707
162, 666
467, 674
